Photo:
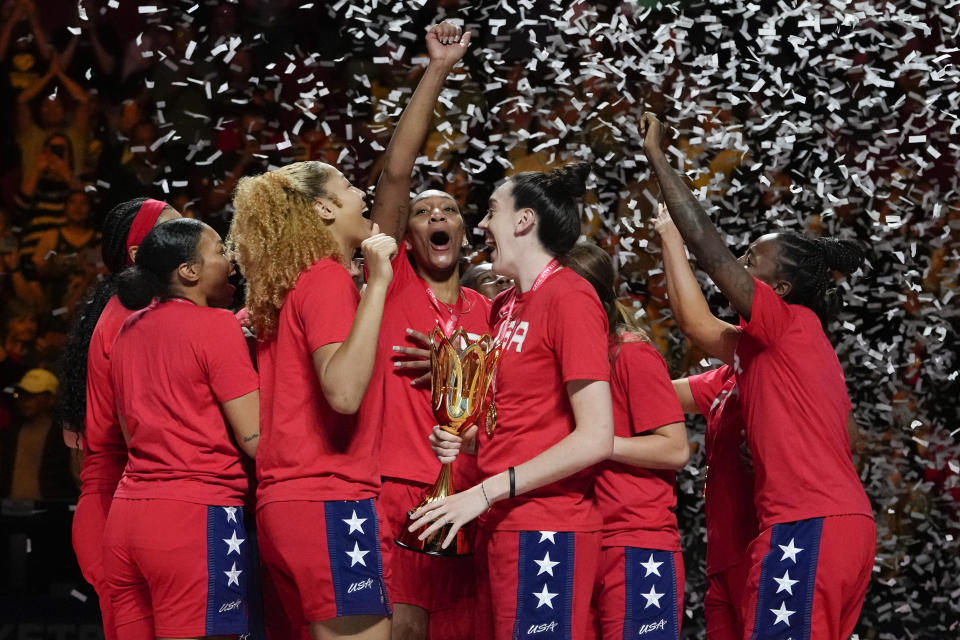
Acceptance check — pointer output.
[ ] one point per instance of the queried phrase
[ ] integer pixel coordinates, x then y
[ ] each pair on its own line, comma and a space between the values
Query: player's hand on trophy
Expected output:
446, 43
447, 446
419, 358
378, 250
456, 510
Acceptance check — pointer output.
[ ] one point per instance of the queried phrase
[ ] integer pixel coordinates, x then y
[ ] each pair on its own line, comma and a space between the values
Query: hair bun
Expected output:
136, 287
841, 255
572, 178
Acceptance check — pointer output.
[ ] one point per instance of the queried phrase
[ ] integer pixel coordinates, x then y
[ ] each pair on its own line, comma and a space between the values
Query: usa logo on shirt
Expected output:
227, 571
544, 585
353, 542
787, 576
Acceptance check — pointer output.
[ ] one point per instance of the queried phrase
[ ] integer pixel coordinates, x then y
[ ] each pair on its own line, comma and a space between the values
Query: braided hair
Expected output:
71, 404
809, 265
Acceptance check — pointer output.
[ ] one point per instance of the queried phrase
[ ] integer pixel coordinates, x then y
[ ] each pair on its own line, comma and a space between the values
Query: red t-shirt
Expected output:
795, 405
638, 505
401, 411
731, 517
307, 450
173, 365
104, 449
559, 334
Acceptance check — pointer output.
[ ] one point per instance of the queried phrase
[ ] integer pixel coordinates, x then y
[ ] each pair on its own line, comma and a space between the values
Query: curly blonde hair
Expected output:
278, 234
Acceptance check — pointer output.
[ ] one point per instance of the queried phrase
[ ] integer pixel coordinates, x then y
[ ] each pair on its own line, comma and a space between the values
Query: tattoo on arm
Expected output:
251, 437
402, 215
703, 238
391, 208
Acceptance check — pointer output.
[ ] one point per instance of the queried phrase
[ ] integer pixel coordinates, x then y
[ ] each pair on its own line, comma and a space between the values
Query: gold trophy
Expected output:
460, 382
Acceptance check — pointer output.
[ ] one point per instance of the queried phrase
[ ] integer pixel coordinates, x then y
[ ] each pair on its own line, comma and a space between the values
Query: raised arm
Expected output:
344, 368
76, 92
6, 32
43, 43
695, 226
106, 60
31, 92
690, 309
446, 46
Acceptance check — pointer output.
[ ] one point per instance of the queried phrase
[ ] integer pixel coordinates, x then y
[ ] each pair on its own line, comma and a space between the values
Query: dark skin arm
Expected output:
42, 41
699, 232
446, 44
16, 15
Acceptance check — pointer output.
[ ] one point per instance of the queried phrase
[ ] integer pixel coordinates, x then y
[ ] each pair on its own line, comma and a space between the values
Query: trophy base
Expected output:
459, 546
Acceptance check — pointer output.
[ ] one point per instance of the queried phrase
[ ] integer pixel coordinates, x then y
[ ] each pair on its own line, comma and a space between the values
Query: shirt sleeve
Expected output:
403, 271
578, 333
650, 396
226, 357
326, 300
770, 316
706, 386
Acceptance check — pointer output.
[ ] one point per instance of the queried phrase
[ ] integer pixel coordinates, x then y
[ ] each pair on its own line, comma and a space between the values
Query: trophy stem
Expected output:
430, 545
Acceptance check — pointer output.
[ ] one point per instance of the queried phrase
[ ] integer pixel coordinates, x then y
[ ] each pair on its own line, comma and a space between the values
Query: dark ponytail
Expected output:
166, 247
72, 396
809, 264
553, 197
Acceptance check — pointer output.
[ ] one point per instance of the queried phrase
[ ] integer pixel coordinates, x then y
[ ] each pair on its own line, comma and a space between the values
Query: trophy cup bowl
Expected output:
459, 384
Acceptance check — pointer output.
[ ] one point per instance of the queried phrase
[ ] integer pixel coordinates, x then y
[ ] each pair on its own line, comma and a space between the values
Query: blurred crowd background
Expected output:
836, 118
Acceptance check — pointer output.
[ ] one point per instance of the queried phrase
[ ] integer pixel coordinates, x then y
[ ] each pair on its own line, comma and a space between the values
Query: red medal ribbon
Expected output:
552, 267
451, 324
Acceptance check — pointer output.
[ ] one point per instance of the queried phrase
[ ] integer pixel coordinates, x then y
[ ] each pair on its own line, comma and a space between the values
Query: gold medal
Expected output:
491, 422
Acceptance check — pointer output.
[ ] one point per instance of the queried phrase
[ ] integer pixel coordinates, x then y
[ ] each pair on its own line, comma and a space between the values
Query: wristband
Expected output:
513, 482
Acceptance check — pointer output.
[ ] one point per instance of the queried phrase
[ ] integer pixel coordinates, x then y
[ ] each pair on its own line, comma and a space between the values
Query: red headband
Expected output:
146, 218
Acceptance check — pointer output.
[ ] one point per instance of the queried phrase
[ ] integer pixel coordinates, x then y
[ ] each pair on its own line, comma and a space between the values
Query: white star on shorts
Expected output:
789, 551
355, 523
233, 576
357, 555
653, 598
545, 597
546, 565
234, 543
785, 583
783, 614
651, 566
